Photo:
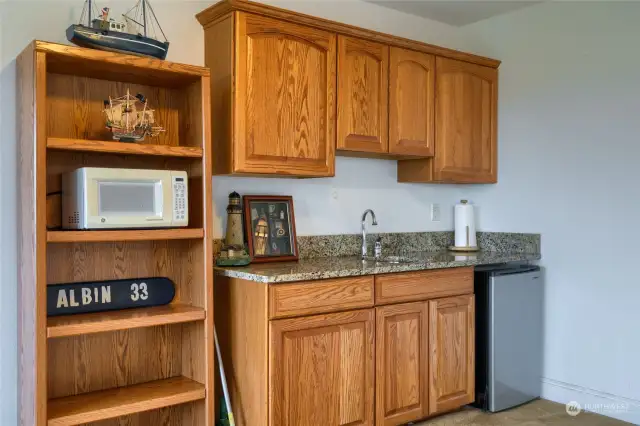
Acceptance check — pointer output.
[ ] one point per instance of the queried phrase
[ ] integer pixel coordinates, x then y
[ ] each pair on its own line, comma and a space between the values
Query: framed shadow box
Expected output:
270, 228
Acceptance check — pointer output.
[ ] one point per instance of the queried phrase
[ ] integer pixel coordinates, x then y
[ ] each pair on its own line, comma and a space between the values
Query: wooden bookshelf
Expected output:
73, 325
133, 235
154, 365
83, 145
94, 406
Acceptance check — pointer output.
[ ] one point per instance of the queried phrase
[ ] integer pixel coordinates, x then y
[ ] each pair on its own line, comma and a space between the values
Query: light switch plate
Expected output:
435, 212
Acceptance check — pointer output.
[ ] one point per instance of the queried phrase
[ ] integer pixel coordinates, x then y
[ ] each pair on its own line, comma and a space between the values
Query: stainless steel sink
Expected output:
395, 260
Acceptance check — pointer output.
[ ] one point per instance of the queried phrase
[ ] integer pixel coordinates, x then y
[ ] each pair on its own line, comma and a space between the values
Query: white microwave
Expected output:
98, 198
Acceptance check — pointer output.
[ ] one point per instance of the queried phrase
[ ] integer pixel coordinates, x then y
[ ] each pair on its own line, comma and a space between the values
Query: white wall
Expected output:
569, 132
359, 184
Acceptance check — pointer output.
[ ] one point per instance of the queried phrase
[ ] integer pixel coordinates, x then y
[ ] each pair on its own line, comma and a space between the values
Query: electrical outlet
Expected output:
435, 212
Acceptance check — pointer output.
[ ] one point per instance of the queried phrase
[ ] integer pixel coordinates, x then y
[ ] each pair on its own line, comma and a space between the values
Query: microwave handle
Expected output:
151, 219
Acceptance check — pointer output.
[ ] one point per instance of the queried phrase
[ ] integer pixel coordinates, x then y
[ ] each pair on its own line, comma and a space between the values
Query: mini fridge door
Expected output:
515, 338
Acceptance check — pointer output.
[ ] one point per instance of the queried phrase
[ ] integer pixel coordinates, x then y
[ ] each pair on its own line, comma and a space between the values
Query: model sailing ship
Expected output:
129, 119
132, 36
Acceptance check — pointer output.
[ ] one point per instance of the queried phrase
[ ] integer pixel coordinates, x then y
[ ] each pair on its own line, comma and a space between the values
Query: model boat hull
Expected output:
117, 41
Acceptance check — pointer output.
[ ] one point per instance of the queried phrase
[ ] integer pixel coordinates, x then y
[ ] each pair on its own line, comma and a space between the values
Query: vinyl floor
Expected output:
535, 413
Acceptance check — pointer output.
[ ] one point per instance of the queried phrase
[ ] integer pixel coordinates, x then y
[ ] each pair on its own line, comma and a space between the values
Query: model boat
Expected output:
129, 118
133, 35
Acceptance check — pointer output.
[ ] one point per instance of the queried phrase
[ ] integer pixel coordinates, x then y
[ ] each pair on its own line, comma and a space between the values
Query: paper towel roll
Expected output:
465, 225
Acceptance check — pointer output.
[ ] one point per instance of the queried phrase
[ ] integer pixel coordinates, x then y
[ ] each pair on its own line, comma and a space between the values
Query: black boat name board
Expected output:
99, 296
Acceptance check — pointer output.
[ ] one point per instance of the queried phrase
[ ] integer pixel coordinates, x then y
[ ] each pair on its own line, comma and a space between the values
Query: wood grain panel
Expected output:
411, 102
167, 416
284, 99
54, 209
451, 353
94, 362
123, 148
466, 122
75, 104
177, 260
199, 362
117, 402
132, 235
401, 363
422, 285
72, 325
416, 171
32, 219
321, 370
363, 87
65, 59
212, 14
306, 298
241, 317
218, 55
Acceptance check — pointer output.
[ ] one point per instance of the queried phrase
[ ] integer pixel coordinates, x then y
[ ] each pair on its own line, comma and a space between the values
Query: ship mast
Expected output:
144, 16
127, 109
89, 15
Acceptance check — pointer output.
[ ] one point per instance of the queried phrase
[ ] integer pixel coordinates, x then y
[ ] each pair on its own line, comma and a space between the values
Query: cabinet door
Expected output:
411, 102
401, 363
285, 98
451, 353
321, 370
466, 120
363, 87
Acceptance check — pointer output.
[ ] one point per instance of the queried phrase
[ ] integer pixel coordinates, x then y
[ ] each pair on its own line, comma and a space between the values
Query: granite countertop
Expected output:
348, 266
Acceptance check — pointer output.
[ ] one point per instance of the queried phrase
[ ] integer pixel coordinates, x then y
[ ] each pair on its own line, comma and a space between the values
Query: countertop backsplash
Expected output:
314, 246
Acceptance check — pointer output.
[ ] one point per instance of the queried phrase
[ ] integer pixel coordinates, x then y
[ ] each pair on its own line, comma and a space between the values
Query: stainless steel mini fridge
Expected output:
509, 326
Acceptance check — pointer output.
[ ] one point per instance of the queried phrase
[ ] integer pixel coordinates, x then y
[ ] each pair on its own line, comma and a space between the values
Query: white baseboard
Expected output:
618, 407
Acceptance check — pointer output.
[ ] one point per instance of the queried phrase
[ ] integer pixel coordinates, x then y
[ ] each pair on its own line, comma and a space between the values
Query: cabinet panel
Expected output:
318, 297
466, 122
422, 285
321, 370
401, 363
411, 102
362, 95
451, 353
285, 98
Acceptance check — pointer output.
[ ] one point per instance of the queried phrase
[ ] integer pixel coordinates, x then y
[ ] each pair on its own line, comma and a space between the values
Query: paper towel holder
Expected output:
466, 248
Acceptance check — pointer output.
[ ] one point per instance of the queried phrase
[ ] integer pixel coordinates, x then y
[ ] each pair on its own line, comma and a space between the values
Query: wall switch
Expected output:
435, 212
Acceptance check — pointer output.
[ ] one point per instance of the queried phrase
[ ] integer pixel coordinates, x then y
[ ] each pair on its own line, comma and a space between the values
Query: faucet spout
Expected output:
374, 222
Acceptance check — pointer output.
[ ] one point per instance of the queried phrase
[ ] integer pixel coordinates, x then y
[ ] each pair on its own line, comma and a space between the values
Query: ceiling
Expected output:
455, 12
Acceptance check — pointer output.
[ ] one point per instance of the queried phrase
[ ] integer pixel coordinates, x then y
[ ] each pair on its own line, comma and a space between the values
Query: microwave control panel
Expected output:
180, 213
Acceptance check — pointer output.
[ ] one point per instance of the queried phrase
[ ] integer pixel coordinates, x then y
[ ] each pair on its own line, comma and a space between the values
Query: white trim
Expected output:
607, 404
119, 38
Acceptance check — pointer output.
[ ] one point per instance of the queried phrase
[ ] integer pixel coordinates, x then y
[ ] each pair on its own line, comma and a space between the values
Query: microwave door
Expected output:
131, 203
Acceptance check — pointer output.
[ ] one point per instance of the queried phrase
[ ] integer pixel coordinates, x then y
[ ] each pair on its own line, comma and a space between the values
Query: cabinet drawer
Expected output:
410, 286
304, 298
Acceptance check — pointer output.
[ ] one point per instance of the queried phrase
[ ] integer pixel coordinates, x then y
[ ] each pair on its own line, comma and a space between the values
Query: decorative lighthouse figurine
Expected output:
233, 252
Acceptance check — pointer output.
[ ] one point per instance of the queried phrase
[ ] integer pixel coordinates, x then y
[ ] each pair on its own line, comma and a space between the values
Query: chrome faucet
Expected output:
364, 230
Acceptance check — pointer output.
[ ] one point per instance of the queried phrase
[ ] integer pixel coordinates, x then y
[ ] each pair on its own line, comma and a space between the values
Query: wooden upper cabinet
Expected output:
321, 370
466, 122
362, 95
284, 99
451, 353
401, 363
412, 80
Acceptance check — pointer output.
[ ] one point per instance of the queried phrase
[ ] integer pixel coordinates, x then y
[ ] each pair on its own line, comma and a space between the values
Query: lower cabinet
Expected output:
451, 353
322, 370
365, 351
424, 358
401, 363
